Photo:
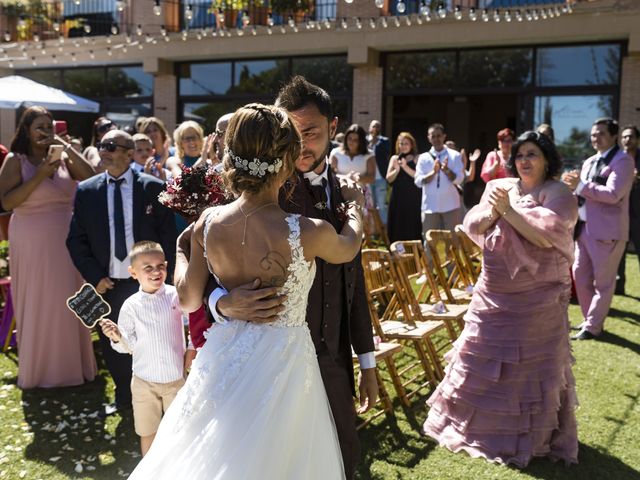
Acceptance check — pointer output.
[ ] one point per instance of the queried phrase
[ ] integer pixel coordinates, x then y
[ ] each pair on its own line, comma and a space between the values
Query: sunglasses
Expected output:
111, 146
105, 127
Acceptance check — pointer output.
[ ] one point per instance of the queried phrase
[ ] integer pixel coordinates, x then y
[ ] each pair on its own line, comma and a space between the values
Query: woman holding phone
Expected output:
38, 182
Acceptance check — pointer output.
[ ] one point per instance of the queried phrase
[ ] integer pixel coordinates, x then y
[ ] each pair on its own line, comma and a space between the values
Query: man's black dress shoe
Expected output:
584, 335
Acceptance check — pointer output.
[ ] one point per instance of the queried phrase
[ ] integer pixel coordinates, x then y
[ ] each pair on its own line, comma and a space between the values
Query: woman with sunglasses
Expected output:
39, 184
495, 165
188, 139
100, 127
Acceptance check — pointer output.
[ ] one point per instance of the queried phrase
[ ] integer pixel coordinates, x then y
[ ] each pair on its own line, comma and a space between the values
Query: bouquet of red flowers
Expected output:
194, 190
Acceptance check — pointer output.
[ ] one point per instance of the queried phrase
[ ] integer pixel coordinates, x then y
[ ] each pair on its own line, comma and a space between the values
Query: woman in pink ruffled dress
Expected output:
509, 393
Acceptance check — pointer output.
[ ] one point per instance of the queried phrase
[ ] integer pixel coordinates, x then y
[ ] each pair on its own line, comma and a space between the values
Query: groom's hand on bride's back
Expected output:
251, 303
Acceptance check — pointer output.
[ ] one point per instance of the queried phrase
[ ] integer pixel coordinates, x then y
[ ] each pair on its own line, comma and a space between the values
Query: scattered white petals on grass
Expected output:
54, 459
78, 468
90, 468
87, 438
107, 437
112, 442
91, 458
22, 474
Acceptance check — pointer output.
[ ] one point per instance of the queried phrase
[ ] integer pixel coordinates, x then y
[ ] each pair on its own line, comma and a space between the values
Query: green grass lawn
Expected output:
51, 434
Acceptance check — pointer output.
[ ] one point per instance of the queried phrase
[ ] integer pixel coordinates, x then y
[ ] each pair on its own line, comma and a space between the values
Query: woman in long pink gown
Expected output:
509, 392
54, 349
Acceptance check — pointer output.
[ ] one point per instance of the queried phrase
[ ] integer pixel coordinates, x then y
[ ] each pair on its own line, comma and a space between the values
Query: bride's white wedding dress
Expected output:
254, 405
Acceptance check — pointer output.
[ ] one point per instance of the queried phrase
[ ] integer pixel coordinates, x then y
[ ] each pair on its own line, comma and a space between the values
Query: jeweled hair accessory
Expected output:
255, 167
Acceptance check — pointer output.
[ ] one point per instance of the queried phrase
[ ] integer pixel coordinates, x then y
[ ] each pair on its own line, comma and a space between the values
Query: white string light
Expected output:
401, 7
157, 8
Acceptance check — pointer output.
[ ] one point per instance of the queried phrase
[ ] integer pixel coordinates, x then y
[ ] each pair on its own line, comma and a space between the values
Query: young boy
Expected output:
150, 328
143, 157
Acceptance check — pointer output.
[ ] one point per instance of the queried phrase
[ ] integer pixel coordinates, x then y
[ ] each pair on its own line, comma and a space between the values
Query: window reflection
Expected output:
571, 117
207, 114
260, 76
495, 68
420, 70
52, 78
578, 65
333, 74
86, 82
205, 78
129, 82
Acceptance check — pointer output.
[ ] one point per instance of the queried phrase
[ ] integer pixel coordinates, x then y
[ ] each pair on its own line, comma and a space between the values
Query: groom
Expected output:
337, 313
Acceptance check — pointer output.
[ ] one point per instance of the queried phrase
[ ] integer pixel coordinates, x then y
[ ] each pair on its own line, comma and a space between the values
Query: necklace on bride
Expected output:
248, 214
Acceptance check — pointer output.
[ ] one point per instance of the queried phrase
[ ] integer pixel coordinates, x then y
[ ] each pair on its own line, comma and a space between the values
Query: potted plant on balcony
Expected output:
296, 8
226, 12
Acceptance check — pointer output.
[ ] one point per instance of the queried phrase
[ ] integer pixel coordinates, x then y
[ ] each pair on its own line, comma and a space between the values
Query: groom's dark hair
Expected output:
299, 93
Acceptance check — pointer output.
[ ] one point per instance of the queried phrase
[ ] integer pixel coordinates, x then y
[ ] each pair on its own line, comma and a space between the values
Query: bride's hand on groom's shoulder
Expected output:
351, 191
252, 303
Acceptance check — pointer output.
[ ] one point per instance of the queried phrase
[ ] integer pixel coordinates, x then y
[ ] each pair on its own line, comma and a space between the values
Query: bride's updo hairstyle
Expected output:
261, 145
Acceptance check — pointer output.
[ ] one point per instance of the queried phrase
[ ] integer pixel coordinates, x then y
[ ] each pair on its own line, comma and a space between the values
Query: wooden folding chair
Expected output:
384, 353
449, 273
470, 254
413, 267
393, 321
375, 232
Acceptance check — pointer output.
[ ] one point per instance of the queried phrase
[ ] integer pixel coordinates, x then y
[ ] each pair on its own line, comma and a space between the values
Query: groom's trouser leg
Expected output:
338, 386
118, 364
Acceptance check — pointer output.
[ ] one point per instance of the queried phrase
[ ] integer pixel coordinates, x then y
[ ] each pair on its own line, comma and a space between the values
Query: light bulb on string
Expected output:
157, 8
184, 34
507, 16
120, 5
221, 18
401, 7
43, 49
396, 21
379, 3
327, 23
245, 18
10, 64
139, 30
543, 14
383, 22
518, 15
372, 22
114, 29
128, 38
343, 23
85, 40
91, 54
269, 30
457, 13
556, 10
76, 2
188, 13
109, 52
282, 29
292, 24
442, 11
407, 20
108, 38
550, 13
87, 28
473, 16
254, 30
348, 1
73, 56
56, 26
269, 20
527, 15
496, 15
534, 14
203, 32
36, 37
124, 49
163, 30
54, 58
358, 23
7, 36
485, 15
33, 61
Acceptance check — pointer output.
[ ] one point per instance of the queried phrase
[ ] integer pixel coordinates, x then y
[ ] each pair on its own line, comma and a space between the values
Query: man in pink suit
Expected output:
603, 188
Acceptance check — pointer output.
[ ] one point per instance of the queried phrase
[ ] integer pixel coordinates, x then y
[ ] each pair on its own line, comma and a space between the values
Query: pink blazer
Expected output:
607, 205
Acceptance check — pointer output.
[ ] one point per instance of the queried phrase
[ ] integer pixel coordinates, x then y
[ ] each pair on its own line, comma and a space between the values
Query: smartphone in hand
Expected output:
55, 153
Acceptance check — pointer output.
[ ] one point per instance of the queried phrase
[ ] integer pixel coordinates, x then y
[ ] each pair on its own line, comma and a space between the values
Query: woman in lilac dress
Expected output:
509, 393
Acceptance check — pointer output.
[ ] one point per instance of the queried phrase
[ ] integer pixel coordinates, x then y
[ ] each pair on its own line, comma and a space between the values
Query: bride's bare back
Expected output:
266, 253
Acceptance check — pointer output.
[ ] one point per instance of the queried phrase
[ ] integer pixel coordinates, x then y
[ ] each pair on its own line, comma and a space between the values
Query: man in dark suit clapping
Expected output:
112, 211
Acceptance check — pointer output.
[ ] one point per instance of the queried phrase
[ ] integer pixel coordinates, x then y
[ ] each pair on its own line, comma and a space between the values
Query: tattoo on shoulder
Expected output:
274, 264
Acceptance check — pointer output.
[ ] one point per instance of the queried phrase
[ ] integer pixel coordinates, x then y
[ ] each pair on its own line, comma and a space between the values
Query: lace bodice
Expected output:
299, 280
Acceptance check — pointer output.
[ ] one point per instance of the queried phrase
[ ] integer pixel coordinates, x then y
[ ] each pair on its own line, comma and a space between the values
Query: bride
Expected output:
254, 405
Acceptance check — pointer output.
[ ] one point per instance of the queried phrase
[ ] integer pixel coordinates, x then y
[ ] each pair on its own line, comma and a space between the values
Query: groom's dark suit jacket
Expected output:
337, 313
88, 240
